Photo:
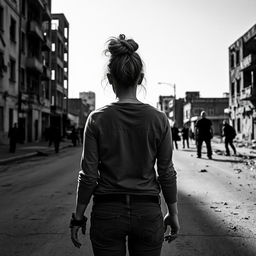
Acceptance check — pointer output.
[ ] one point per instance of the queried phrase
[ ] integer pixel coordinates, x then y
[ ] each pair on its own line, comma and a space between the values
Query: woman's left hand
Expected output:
74, 235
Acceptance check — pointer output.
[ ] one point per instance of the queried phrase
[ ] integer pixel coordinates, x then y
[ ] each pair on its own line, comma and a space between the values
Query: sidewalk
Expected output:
29, 150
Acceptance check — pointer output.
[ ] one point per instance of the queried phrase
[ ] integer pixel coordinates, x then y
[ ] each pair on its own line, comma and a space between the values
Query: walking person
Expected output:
122, 142
13, 137
185, 135
229, 133
175, 135
204, 133
56, 138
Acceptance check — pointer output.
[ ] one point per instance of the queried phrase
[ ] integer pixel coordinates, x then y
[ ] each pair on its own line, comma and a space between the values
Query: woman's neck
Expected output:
127, 96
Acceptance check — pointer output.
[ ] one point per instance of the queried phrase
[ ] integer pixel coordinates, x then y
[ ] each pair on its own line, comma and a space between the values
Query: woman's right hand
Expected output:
173, 222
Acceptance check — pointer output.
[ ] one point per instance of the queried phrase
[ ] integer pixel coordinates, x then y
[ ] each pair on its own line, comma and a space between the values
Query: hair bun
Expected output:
121, 46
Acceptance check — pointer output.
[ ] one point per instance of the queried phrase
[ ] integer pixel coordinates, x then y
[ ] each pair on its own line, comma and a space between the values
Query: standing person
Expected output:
229, 133
122, 142
204, 133
74, 136
56, 138
13, 137
185, 135
175, 135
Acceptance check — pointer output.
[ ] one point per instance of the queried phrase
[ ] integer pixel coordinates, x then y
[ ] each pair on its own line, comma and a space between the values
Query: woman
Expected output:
122, 142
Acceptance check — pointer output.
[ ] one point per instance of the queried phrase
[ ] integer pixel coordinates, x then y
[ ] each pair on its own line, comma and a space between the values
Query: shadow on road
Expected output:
206, 232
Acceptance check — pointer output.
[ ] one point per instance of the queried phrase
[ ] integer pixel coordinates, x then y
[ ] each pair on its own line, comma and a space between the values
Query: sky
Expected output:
182, 42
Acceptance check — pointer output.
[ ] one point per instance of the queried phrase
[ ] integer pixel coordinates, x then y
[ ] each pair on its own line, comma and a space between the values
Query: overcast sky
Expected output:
181, 41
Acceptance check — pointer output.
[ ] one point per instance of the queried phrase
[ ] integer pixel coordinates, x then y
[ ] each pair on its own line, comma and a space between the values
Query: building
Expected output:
242, 87
59, 71
88, 98
35, 66
79, 108
173, 108
163, 104
9, 65
214, 108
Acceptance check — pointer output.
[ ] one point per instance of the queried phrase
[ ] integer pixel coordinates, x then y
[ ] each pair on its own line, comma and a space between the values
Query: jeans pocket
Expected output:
152, 229
104, 227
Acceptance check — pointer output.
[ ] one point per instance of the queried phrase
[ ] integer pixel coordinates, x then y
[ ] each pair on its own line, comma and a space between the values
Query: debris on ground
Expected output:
203, 170
237, 170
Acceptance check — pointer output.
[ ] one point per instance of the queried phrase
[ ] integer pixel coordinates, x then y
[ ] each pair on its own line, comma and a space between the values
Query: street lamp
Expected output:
174, 96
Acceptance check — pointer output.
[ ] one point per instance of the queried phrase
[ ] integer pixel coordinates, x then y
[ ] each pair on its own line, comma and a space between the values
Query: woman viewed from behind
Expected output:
122, 143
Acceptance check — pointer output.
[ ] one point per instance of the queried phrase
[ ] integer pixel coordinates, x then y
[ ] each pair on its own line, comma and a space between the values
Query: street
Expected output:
216, 206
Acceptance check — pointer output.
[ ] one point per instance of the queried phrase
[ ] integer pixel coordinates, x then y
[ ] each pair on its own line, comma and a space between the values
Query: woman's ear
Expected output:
141, 78
110, 79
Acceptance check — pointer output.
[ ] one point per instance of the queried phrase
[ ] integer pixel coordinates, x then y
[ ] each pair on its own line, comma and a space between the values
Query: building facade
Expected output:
35, 66
214, 108
242, 87
9, 65
88, 98
59, 71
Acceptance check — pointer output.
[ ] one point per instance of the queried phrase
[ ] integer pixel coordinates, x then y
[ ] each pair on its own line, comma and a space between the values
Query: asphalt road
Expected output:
216, 206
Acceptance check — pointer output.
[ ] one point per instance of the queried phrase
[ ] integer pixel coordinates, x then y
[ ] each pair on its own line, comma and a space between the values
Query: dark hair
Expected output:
125, 64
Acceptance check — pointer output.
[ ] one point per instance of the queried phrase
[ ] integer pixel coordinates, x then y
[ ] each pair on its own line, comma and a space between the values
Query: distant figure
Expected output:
13, 137
49, 135
185, 135
56, 137
229, 133
204, 133
175, 135
74, 136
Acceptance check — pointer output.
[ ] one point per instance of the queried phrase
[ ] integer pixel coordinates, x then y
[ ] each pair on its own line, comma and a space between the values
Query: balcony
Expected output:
35, 29
65, 75
65, 92
248, 61
46, 75
46, 44
246, 93
34, 64
46, 12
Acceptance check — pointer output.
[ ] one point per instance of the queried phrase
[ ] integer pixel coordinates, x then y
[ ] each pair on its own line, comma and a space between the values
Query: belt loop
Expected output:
128, 199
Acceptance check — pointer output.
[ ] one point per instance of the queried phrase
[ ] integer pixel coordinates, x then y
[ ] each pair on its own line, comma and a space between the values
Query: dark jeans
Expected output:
208, 146
229, 141
138, 223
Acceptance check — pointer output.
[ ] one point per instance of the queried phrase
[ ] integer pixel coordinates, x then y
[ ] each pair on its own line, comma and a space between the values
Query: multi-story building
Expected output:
242, 85
9, 63
78, 107
88, 98
60, 71
35, 64
173, 108
214, 108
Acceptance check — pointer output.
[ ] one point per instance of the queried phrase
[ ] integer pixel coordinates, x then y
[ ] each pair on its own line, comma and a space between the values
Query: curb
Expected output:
28, 155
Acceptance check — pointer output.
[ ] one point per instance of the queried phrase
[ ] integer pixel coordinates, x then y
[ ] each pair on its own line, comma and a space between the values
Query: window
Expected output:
211, 111
12, 70
53, 47
238, 125
53, 74
1, 118
1, 18
13, 30
232, 60
22, 42
22, 79
23, 7
232, 89
238, 86
237, 57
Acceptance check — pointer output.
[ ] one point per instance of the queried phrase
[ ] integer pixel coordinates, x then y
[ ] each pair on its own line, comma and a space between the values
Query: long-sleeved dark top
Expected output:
122, 143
